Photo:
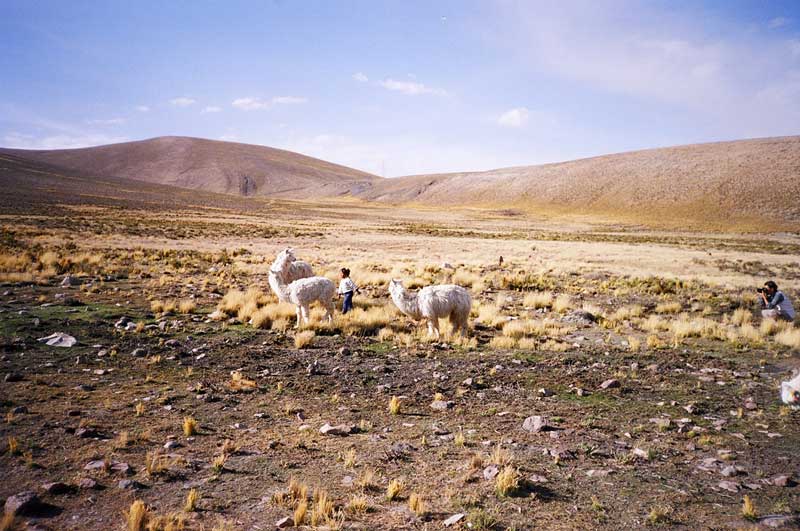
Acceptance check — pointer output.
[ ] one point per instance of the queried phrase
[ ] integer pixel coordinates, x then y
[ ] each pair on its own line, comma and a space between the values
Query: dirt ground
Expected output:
659, 409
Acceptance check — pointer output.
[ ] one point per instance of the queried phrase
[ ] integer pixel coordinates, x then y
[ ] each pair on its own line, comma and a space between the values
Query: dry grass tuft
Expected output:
501, 456
748, 509
669, 307
368, 479
358, 504
562, 303
507, 481
634, 344
416, 504
395, 489
138, 516
240, 383
13, 446
503, 342
658, 515
191, 501
394, 405
789, 337
304, 339
538, 300
139, 409
189, 426
218, 463
187, 306
299, 515
741, 317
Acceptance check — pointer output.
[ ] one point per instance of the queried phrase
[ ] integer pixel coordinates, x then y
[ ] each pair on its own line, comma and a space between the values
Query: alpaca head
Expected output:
283, 261
790, 394
396, 287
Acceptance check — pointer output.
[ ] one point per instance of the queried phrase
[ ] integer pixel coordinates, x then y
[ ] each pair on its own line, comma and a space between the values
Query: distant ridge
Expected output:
725, 182
209, 165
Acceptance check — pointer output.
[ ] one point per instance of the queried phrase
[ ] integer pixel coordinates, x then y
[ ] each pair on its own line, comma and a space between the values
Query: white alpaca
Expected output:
288, 269
790, 392
301, 292
433, 303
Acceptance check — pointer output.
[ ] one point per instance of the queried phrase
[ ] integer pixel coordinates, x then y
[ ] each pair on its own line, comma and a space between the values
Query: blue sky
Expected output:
398, 88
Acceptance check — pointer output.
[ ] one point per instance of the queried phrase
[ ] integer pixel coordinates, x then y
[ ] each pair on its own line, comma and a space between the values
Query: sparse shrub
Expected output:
322, 509
139, 409
501, 456
240, 383
750, 333
280, 324
358, 504
748, 509
385, 334
459, 440
300, 511
218, 463
527, 343
634, 344
368, 479
187, 306
503, 342
304, 338
157, 306
789, 337
507, 481
13, 446
481, 520
741, 317
349, 458
658, 515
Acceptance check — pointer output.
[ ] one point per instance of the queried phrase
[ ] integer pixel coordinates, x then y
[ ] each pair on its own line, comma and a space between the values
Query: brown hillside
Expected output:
209, 165
746, 181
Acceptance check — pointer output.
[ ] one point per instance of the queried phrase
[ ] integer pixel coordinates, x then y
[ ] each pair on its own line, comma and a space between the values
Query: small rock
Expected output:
95, 465
139, 353
750, 404
286, 521
730, 486
58, 339
610, 384
601, 473
536, 423
84, 387
341, 430
661, 423
172, 343
545, 392
19, 410
121, 468
87, 483
344, 351
490, 472
442, 405
783, 481
24, 503
171, 445
776, 521
68, 281
129, 484
13, 377
729, 471
453, 519
536, 478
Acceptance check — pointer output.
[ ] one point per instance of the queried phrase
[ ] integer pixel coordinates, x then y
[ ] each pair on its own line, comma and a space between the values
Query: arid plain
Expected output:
617, 373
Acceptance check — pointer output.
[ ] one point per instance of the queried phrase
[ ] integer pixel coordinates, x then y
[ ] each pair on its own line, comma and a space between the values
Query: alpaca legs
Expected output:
304, 312
299, 314
329, 309
433, 328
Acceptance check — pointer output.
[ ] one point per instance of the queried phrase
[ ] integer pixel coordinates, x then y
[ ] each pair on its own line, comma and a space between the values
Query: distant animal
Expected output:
790, 392
301, 292
433, 303
296, 269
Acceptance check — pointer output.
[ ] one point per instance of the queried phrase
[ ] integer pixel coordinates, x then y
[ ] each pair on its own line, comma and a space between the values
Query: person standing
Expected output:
347, 289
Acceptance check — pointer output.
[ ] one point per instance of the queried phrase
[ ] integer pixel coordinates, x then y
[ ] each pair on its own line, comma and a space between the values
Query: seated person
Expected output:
774, 304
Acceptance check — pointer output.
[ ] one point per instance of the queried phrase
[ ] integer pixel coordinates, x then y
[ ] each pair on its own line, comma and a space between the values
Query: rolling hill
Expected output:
746, 180
209, 165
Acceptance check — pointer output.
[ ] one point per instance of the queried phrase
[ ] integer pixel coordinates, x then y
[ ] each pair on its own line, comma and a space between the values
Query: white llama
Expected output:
301, 292
433, 303
295, 270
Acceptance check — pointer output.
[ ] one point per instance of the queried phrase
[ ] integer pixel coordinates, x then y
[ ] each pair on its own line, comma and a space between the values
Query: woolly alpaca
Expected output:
433, 303
790, 392
288, 269
303, 292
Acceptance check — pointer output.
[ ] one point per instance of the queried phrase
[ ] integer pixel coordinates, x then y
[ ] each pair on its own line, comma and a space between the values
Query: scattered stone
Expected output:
171, 445
730, 486
121, 468
661, 423
68, 281
74, 413
96, 464
490, 472
580, 317
87, 433
545, 392
783, 481
750, 404
453, 519
13, 377
344, 351
130, 326
139, 353
536, 423
600, 473
610, 384
87, 483
58, 339
24, 503
86, 388
537, 479
341, 430
19, 410
172, 343
442, 405
129, 484
780, 521
286, 521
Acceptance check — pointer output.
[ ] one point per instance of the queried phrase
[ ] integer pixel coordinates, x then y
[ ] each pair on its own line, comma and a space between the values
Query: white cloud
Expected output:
256, 104
60, 141
778, 22
143, 108
183, 101
514, 118
110, 121
794, 47
360, 77
410, 88
211, 108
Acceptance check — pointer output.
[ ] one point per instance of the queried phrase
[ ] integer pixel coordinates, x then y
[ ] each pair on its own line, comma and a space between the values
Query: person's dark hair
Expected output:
345, 272
771, 285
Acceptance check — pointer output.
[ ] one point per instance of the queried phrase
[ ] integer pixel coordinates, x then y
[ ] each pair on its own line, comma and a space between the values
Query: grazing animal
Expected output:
301, 292
790, 392
433, 303
288, 269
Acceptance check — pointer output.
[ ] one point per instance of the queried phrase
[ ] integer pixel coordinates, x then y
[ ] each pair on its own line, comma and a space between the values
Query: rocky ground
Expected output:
590, 435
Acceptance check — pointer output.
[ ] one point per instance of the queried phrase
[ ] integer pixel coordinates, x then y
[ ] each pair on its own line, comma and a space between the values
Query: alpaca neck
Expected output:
408, 303
280, 287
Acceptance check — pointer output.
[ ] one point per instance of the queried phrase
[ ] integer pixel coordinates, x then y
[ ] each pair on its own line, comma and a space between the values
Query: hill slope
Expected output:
753, 180
209, 165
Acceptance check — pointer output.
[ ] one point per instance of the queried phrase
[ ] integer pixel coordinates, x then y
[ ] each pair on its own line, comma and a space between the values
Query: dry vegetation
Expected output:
215, 402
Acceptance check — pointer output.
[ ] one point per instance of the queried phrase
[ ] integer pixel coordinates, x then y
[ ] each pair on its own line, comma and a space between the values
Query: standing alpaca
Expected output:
301, 292
288, 269
433, 303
